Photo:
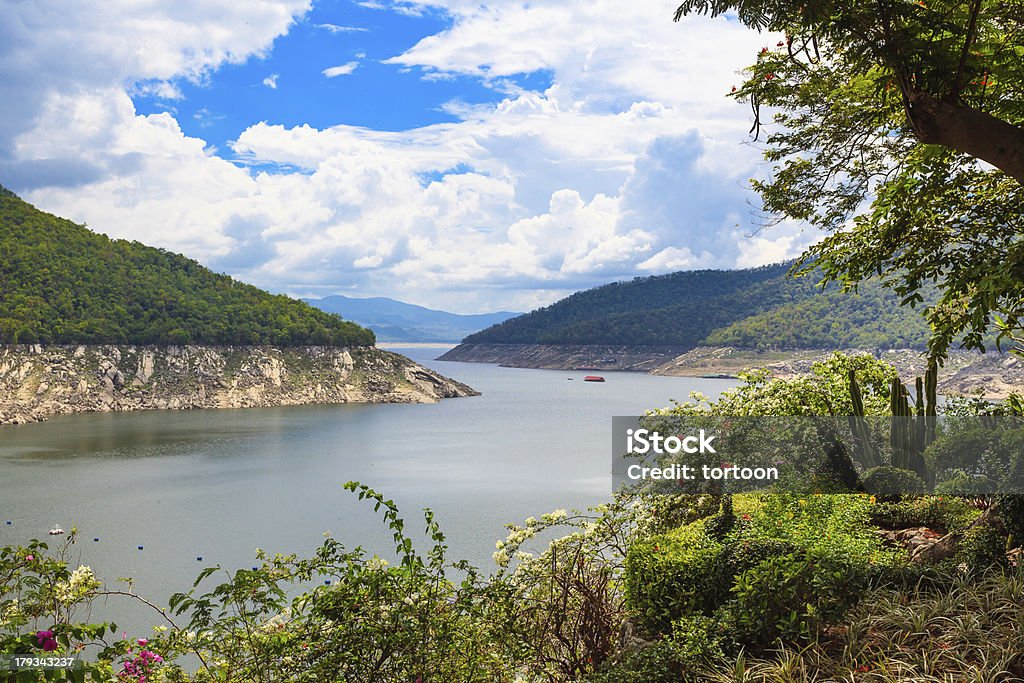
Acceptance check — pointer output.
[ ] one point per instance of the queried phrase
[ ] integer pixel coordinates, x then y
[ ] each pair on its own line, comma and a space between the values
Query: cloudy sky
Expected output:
467, 155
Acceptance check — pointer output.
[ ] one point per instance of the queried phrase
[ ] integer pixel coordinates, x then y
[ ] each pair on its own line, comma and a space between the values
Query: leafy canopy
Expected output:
912, 106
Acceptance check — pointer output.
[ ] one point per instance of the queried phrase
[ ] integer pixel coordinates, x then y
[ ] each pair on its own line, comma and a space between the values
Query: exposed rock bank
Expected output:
565, 357
39, 381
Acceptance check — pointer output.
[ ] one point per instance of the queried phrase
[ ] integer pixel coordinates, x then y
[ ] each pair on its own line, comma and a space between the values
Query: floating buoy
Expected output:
140, 547
96, 540
327, 583
199, 559
8, 522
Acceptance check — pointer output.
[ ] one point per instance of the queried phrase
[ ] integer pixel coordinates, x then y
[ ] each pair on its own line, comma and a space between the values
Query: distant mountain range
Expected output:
756, 308
397, 321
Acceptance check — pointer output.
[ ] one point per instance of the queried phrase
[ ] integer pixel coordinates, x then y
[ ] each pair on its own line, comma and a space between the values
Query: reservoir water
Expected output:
218, 484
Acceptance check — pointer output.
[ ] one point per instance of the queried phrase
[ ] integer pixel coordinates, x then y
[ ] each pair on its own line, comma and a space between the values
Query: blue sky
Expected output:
288, 86
465, 155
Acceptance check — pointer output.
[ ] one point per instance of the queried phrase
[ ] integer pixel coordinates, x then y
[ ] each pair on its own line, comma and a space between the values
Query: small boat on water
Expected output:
593, 378
56, 530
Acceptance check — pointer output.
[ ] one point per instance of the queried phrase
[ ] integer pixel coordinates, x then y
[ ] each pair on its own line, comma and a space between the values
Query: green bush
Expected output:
940, 513
674, 575
693, 646
983, 546
743, 555
789, 596
964, 484
889, 483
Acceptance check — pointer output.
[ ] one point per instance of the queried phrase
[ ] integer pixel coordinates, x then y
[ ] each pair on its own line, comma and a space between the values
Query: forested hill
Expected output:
752, 308
61, 283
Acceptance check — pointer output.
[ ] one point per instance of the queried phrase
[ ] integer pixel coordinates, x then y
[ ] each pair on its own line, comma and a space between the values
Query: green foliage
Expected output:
675, 575
979, 455
824, 391
694, 645
890, 483
790, 596
943, 514
895, 103
959, 627
64, 284
827, 318
40, 596
758, 308
374, 621
827, 540
982, 548
720, 524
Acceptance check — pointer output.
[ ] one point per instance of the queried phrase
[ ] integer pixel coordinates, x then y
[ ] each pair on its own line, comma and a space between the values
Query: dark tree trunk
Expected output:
968, 130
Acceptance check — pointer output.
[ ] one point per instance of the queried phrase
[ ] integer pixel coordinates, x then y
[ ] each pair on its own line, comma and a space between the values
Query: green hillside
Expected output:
753, 308
831, 319
61, 283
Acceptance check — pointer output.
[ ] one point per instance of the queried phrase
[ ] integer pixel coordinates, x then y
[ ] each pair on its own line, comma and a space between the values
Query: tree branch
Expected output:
967, 130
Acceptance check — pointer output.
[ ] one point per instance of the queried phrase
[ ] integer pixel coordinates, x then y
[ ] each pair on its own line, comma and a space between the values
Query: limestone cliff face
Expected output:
39, 381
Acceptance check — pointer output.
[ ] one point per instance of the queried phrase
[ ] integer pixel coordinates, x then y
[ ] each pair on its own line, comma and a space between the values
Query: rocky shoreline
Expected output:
990, 375
566, 356
39, 381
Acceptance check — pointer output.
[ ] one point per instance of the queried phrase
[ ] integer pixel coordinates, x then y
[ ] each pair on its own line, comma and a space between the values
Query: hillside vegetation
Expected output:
753, 308
64, 284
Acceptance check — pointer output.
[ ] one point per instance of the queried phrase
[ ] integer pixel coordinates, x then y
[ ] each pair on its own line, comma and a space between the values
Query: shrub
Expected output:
669, 512
889, 483
693, 646
983, 546
789, 596
674, 575
940, 513
961, 483
743, 555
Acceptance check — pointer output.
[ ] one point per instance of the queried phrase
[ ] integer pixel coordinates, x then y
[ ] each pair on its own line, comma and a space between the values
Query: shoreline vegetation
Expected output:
801, 582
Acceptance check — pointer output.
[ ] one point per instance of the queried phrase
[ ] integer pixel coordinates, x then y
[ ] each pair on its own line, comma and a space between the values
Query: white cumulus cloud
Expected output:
341, 70
629, 161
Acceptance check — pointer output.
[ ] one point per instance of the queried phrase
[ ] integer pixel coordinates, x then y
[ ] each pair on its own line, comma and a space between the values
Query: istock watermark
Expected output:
888, 456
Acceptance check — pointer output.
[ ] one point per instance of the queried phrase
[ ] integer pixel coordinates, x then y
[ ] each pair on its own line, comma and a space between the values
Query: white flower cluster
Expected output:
81, 584
376, 564
275, 623
516, 537
555, 516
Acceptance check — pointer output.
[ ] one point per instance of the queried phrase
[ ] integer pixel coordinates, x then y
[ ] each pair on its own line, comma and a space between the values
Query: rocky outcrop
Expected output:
39, 381
565, 356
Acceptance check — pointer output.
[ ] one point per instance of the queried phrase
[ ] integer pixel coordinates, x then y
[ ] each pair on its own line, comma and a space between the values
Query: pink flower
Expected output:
143, 642
46, 640
30, 557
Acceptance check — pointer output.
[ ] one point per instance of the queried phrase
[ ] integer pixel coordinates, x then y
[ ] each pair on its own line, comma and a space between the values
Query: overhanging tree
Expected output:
897, 128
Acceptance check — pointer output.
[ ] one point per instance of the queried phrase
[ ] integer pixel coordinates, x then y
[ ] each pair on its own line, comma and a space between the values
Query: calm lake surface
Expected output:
218, 484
